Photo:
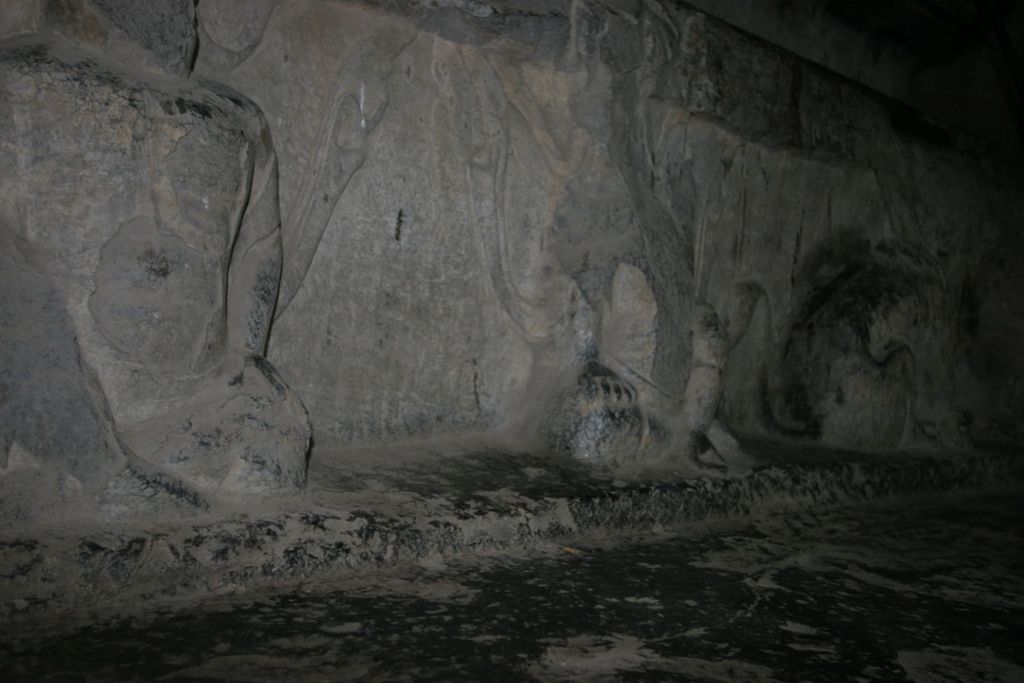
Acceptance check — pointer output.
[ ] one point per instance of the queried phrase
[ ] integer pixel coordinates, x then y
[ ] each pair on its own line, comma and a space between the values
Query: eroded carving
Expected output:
154, 262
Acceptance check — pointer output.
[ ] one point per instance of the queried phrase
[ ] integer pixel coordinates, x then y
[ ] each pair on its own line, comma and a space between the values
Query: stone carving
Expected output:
600, 420
526, 201
604, 420
631, 232
514, 179
867, 341
57, 443
142, 211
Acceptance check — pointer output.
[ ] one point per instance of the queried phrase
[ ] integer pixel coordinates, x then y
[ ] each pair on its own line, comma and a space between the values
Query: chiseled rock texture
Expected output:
479, 199
871, 593
622, 231
141, 233
599, 420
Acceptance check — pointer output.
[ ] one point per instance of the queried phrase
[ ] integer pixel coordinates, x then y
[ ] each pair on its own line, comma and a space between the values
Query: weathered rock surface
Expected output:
600, 420
876, 592
364, 514
57, 441
481, 198
244, 434
865, 342
474, 217
144, 212
155, 37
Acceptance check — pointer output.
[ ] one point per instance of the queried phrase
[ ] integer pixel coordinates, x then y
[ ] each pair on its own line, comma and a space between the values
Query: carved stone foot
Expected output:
599, 420
246, 433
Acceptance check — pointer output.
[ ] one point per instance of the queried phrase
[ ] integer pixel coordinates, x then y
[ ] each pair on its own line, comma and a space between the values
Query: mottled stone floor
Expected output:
930, 589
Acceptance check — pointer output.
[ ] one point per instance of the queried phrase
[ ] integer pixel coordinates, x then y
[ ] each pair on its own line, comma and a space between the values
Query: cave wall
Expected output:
428, 167
942, 58
476, 197
619, 231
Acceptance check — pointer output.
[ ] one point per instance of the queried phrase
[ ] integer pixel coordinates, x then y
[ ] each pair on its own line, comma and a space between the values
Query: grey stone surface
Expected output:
942, 59
158, 37
865, 342
505, 194
929, 589
245, 434
622, 232
361, 512
142, 218
600, 421
52, 406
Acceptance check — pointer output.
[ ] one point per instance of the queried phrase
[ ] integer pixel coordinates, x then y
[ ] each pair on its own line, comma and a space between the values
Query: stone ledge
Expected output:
88, 571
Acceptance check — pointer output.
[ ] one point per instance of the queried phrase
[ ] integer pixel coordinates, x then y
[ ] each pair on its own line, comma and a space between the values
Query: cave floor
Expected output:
927, 588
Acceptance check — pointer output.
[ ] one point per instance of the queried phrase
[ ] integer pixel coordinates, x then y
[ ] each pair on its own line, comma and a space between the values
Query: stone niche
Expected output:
620, 232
